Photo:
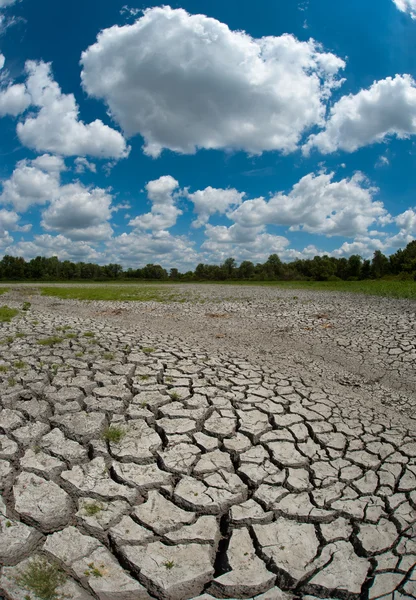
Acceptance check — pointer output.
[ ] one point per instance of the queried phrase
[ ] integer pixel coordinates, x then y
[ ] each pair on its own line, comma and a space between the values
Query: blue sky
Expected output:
197, 131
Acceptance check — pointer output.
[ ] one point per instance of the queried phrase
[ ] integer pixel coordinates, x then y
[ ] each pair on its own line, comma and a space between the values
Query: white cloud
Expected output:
317, 204
383, 161
387, 108
82, 165
211, 200
14, 100
57, 128
235, 234
80, 213
138, 249
187, 81
407, 6
60, 246
4, 3
363, 246
164, 211
9, 221
30, 185
220, 246
407, 221
49, 163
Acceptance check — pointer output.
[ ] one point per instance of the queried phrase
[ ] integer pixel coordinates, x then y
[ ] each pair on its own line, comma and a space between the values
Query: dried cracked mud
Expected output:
241, 444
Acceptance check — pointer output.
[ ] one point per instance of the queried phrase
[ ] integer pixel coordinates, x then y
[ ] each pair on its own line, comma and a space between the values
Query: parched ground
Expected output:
247, 442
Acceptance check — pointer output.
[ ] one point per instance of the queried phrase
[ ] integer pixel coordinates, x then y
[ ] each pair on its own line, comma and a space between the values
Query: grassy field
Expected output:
137, 293
7, 314
390, 289
3, 290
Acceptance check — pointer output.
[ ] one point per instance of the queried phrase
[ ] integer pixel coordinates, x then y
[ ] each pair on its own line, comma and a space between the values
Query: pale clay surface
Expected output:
268, 445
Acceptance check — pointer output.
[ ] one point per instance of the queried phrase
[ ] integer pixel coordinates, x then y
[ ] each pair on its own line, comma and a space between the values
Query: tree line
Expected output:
402, 264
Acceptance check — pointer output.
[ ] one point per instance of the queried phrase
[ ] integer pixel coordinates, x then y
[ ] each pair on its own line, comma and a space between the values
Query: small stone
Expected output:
145, 477
41, 502
345, 571
379, 537
205, 529
171, 572
384, 583
106, 578
56, 443
130, 532
290, 546
82, 426
248, 575
16, 541
180, 458
160, 515
97, 516
93, 479
138, 444
42, 464
248, 513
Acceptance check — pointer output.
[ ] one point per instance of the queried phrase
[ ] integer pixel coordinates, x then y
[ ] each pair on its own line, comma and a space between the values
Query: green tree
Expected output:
380, 265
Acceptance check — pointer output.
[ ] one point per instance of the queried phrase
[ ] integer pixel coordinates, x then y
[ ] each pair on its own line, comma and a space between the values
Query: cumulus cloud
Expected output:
363, 246
9, 221
82, 165
387, 108
138, 249
80, 213
4, 3
317, 204
407, 221
221, 245
49, 163
60, 246
187, 81
56, 126
32, 183
211, 200
164, 211
14, 100
407, 6
235, 234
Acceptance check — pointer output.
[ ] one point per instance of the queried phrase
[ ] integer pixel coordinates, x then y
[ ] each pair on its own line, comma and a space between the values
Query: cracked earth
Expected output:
255, 446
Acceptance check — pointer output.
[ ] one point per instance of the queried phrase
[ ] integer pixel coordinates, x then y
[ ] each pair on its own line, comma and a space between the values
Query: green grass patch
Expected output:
7, 314
42, 578
20, 364
114, 434
148, 350
4, 368
108, 356
50, 341
130, 293
92, 508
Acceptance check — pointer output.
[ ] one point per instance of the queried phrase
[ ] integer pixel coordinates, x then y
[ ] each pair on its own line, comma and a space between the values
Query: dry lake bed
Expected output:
229, 442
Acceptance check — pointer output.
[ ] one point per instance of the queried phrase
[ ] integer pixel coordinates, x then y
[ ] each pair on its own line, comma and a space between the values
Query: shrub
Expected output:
42, 578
